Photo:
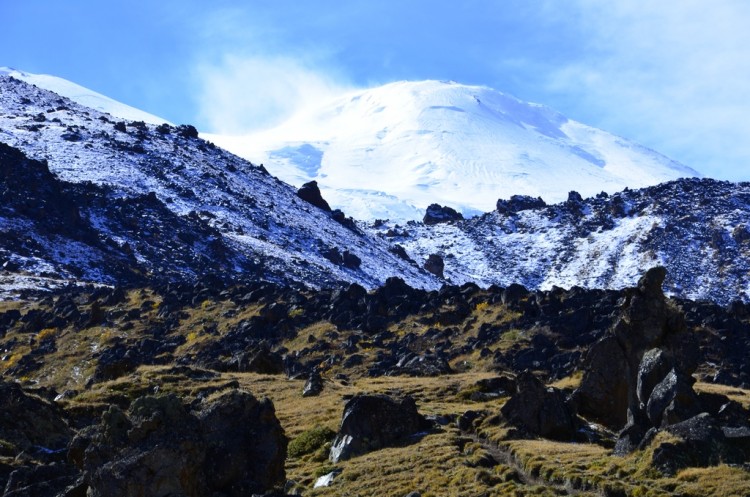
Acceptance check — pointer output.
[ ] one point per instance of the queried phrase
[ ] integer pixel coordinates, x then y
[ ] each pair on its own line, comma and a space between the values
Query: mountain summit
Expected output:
391, 151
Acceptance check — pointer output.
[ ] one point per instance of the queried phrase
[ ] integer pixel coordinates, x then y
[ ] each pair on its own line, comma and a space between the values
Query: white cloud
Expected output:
245, 93
674, 75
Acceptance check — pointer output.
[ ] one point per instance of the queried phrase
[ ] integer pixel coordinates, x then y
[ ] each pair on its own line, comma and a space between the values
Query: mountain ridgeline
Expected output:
93, 198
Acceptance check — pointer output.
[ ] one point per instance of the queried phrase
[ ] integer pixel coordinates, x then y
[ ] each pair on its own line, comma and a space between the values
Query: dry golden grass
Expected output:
736, 394
444, 463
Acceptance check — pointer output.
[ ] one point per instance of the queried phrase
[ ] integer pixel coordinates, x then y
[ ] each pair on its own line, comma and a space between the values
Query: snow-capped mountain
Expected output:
83, 96
156, 201
87, 197
389, 152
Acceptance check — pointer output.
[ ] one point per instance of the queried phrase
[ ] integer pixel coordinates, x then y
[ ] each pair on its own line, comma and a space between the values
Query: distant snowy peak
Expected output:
389, 152
83, 96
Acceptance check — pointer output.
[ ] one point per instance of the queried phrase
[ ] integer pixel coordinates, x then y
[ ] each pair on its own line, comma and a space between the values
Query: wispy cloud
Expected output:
244, 93
251, 71
669, 74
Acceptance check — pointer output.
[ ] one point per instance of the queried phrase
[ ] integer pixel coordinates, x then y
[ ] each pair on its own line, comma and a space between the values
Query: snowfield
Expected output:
389, 152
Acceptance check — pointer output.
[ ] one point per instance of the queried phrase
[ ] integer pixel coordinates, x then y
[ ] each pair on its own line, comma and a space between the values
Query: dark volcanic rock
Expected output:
540, 410
371, 422
234, 446
29, 423
603, 394
313, 385
518, 203
309, 192
623, 368
435, 265
702, 443
640, 375
152, 450
245, 444
436, 214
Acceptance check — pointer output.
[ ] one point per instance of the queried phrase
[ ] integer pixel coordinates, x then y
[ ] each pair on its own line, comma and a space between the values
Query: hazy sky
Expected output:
673, 75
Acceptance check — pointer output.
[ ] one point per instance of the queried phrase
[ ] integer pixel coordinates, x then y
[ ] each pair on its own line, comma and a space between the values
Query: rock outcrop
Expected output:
310, 193
437, 213
639, 380
234, 446
540, 410
371, 422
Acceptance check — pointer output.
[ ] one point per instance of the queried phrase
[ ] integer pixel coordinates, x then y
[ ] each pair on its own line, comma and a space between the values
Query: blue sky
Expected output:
673, 75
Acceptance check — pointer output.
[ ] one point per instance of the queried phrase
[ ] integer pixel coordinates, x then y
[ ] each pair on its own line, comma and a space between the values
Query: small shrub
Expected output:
482, 306
310, 441
46, 334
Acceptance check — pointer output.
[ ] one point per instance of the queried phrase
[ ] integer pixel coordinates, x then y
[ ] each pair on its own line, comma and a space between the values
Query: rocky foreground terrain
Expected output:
257, 389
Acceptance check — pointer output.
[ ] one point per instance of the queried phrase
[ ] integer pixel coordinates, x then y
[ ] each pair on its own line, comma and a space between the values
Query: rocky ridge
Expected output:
159, 203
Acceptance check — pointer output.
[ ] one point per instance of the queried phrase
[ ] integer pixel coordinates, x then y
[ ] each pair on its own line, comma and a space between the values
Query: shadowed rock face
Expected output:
624, 367
639, 379
234, 445
540, 410
371, 422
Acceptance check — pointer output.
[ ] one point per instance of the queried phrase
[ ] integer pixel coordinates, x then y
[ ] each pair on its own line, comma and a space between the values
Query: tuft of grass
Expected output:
482, 306
46, 333
310, 441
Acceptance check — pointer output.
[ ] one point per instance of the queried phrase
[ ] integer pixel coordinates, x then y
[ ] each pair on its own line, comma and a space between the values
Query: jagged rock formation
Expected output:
638, 380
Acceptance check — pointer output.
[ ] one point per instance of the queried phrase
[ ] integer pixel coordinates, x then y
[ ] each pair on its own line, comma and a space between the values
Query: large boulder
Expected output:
540, 410
435, 265
437, 213
233, 446
371, 422
310, 193
245, 444
699, 442
673, 400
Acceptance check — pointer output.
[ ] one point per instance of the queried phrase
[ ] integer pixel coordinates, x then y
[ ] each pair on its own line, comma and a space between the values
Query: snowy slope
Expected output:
697, 228
83, 96
201, 204
390, 151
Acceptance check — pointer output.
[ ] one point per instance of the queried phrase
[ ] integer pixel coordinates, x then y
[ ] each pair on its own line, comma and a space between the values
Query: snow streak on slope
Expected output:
389, 152
184, 180
83, 96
